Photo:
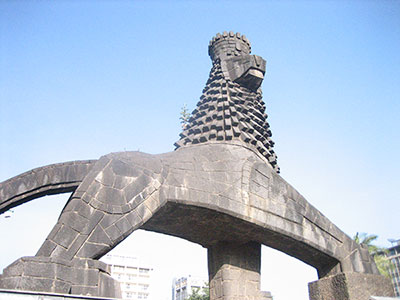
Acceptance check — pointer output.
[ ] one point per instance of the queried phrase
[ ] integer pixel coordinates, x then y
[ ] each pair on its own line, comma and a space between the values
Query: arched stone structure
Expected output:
220, 188
43, 181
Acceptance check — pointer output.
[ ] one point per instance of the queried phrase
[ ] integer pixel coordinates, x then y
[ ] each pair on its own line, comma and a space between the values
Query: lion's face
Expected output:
247, 70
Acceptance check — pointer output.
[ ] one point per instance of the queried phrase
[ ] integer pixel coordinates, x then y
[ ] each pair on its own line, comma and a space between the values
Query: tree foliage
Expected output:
378, 253
185, 116
203, 295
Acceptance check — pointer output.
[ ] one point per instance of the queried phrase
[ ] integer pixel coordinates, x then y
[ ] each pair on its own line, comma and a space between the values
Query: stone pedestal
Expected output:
350, 286
234, 271
54, 275
30, 295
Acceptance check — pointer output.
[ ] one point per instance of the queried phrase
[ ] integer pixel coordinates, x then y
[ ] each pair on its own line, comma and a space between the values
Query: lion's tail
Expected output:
47, 180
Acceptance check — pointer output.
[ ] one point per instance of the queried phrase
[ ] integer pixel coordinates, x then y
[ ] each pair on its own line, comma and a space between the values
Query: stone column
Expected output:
350, 286
234, 271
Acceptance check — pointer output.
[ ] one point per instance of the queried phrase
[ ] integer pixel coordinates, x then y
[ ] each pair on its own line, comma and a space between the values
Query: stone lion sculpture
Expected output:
219, 188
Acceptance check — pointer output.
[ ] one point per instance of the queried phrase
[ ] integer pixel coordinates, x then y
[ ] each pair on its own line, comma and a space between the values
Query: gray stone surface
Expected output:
231, 106
220, 187
350, 286
45, 274
52, 179
234, 271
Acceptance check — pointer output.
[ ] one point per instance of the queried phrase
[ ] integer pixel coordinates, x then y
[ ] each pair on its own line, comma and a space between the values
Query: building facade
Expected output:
394, 256
135, 276
183, 287
266, 295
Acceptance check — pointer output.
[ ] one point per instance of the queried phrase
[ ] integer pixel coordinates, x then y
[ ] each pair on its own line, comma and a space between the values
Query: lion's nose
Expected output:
256, 73
252, 79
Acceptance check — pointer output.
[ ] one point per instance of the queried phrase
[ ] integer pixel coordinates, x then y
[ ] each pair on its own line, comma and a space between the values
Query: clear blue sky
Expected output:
80, 79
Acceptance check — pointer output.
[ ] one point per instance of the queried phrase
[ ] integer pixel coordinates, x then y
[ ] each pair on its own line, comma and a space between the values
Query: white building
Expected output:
394, 256
135, 276
183, 287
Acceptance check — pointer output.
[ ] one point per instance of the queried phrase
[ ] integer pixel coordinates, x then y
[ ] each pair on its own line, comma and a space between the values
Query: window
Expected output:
119, 268
143, 271
131, 269
143, 287
143, 295
131, 276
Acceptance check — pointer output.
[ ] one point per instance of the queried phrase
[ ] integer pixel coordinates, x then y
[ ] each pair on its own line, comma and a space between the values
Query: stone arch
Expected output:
48, 180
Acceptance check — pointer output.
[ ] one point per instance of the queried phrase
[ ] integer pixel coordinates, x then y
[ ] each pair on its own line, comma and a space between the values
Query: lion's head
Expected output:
231, 106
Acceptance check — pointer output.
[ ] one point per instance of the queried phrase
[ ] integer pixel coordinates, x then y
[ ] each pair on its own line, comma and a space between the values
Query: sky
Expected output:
80, 79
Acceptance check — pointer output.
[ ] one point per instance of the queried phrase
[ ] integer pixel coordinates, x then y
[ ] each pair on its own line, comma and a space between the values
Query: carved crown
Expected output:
227, 45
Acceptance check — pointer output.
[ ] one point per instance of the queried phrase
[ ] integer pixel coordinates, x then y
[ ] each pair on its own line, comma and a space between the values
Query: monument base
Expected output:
350, 286
44, 274
28, 295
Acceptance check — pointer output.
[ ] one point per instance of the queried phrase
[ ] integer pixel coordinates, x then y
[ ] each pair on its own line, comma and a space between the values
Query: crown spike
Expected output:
228, 44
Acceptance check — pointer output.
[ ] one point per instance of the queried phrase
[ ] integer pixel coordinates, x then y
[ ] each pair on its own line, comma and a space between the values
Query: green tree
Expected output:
203, 295
185, 116
378, 253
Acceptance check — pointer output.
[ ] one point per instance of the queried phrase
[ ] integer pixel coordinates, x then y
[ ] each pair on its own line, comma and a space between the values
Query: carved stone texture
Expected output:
231, 106
45, 274
350, 286
47, 180
220, 188
116, 197
234, 271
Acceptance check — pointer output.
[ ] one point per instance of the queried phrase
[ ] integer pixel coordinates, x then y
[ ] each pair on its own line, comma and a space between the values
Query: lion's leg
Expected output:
119, 194
117, 197
74, 236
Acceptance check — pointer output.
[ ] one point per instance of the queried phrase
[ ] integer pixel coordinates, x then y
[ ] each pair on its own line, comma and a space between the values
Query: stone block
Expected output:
84, 290
76, 221
143, 212
196, 196
108, 220
76, 245
12, 283
15, 269
35, 269
113, 233
65, 236
120, 182
350, 286
230, 274
134, 219
63, 273
124, 226
36, 284
88, 249
94, 220
152, 202
97, 264
124, 170
86, 277
61, 287
230, 288
98, 236
111, 196
108, 286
